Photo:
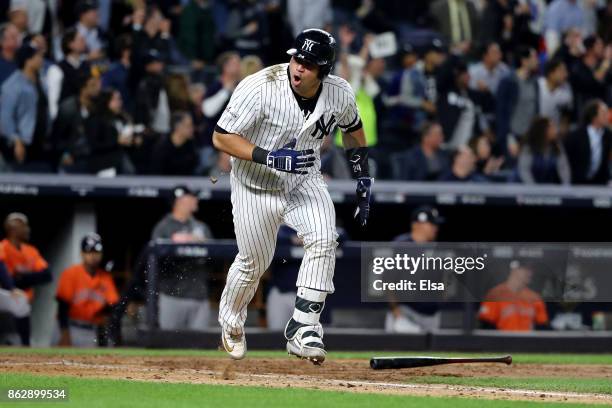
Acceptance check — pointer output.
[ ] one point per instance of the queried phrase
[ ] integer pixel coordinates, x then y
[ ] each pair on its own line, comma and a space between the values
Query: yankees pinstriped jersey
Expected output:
264, 111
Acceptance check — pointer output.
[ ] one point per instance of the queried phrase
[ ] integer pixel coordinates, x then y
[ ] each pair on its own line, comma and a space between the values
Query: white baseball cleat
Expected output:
307, 344
234, 345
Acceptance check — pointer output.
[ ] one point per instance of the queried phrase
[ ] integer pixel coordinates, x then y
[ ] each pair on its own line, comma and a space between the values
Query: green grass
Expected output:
91, 393
561, 384
521, 358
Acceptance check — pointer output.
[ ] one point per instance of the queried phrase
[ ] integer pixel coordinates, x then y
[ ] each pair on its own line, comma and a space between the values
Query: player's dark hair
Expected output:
590, 111
68, 37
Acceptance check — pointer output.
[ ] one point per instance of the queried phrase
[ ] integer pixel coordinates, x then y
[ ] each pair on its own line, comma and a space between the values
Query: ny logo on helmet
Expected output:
307, 46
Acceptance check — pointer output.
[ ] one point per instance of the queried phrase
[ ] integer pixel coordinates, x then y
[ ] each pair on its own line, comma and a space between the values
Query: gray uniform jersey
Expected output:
186, 278
169, 226
264, 111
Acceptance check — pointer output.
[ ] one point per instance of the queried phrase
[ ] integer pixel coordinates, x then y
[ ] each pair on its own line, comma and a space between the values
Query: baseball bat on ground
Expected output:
380, 363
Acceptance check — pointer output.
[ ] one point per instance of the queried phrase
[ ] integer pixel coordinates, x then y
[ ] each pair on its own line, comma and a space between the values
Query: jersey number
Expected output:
322, 129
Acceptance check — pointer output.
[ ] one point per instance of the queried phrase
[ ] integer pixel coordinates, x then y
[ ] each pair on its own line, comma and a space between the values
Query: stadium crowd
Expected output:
450, 90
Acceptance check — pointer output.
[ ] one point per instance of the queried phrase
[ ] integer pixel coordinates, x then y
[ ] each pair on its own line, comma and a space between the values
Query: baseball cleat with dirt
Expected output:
307, 344
234, 345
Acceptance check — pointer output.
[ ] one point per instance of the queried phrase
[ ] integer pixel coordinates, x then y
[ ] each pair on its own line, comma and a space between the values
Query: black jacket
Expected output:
169, 159
147, 99
578, 149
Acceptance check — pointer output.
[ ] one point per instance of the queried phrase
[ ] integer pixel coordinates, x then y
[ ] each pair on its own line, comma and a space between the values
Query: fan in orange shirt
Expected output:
512, 306
86, 294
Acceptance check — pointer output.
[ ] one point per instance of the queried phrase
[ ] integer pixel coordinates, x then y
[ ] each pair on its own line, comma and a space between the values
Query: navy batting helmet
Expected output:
315, 46
91, 243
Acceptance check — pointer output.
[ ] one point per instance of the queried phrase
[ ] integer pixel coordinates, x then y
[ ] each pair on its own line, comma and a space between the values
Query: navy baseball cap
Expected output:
182, 190
427, 213
91, 242
152, 55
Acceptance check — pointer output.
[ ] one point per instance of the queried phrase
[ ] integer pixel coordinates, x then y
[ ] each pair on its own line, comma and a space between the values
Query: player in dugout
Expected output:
86, 294
25, 265
14, 301
512, 306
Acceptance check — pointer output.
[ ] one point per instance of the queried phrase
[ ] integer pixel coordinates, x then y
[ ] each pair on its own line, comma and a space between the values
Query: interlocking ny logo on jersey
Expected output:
307, 46
323, 128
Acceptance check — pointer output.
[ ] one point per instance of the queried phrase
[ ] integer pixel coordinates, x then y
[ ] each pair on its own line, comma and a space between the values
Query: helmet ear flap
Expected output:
324, 71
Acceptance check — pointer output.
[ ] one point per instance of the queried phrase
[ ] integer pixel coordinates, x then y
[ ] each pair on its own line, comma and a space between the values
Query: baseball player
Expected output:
273, 127
15, 302
85, 295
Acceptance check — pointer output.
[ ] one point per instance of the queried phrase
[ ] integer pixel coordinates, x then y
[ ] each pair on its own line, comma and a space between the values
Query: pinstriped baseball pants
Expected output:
258, 214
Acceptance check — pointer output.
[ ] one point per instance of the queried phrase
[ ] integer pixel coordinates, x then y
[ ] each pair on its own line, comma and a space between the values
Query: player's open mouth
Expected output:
296, 79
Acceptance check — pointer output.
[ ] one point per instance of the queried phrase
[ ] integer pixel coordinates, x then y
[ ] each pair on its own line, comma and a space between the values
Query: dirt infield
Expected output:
341, 374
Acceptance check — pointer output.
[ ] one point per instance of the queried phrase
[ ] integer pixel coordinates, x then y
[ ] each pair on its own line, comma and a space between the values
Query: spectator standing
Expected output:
363, 74
457, 21
10, 43
486, 75
463, 168
117, 76
561, 16
458, 113
555, 94
219, 93
312, 14
24, 115
176, 153
590, 77
152, 105
542, 159
63, 78
73, 125
110, 135
151, 33
406, 99
197, 31
588, 148
18, 16
433, 59
517, 100
247, 27
426, 161
87, 26
572, 49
